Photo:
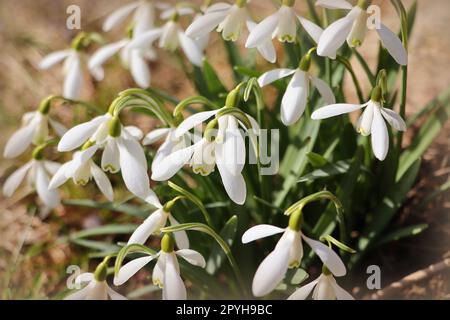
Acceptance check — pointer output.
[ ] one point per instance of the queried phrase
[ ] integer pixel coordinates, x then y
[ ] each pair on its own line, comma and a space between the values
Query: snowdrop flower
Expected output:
295, 98
226, 150
143, 20
166, 273
122, 151
230, 20
97, 288
132, 59
326, 288
371, 122
156, 221
34, 130
283, 26
37, 174
353, 28
81, 169
171, 36
287, 253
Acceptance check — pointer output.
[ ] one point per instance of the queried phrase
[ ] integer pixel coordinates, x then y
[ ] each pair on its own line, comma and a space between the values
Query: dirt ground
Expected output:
31, 28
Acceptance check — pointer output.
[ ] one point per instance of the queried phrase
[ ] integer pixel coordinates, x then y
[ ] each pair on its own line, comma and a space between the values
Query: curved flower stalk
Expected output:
283, 26
295, 98
171, 37
37, 175
353, 28
325, 288
143, 18
34, 130
97, 288
166, 273
371, 122
133, 59
230, 20
226, 150
81, 169
74, 65
156, 221
122, 151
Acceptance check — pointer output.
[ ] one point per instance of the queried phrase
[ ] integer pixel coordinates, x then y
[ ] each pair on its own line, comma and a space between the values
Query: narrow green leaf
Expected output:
141, 212
330, 170
104, 230
215, 86
402, 233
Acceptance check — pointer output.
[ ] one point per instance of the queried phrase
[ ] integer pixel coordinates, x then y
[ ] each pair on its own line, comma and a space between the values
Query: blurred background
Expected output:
34, 252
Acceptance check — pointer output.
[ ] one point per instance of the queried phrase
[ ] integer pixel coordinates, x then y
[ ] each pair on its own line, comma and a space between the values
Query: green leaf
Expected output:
316, 160
215, 86
228, 233
141, 212
96, 245
104, 230
403, 233
330, 170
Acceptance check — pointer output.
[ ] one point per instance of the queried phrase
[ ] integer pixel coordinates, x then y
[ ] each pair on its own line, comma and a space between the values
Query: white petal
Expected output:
61, 176
153, 223
181, 238
102, 181
15, 179
173, 288
193, 121
80, 294
50, 197
233, 182
274, 75
133, 132
328, 256
231, 153
130, 269
191, 49
314, 31
139, 69
73, 79
59, 128
393, 119
84, 277
144, 17
272, 270
295, 98
20, 140
218, 6
79, 134
192, 256
303, 292
263, 31
53, 58
155, 135
334, 36
340, 293
104, 53
158, 270
134, 174
260, 231
145, 39
335, 110
205, 24
380, 136
393, 45
111, 157
114, 295
324, 90
334, 4
119, 15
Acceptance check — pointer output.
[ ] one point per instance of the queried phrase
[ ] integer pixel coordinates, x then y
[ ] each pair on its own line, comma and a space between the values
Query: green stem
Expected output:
349, 68
366, 68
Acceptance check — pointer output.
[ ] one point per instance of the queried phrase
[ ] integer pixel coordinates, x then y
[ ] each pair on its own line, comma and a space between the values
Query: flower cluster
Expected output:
219, 143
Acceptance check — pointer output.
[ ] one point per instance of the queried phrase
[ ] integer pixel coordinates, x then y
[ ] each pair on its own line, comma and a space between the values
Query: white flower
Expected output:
287, 253
94, 290
35, 127
81, 169
283, 26
166, 273
353, 28
371, 122
171, 36
230, 21
154, 222
37, 174
227, 151
121, 153
295, 98
72, 70
143, 20
326, 288
132, 59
